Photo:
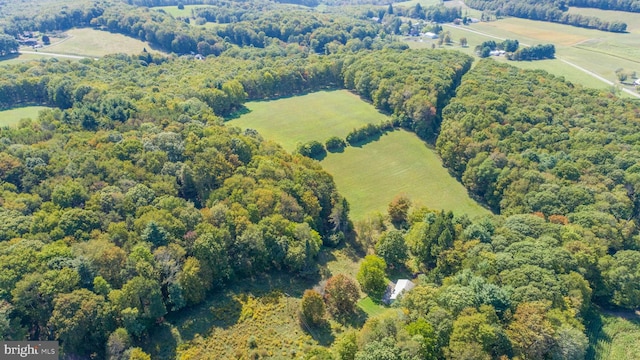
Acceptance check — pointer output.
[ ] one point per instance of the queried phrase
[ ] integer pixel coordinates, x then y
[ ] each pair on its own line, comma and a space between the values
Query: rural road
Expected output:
608, 82
53, 54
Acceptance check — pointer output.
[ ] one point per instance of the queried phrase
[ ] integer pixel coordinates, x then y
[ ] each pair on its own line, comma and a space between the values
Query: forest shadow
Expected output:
220, 310
321, 333
356, 319
162, 342
242, 110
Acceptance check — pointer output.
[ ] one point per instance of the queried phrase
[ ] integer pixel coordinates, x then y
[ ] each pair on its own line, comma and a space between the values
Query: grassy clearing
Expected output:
614, 336
371, 308
227, 323
315, 116
266, 326
412, 3
13, 116
369, 176
399, 163
175, 12
96, 43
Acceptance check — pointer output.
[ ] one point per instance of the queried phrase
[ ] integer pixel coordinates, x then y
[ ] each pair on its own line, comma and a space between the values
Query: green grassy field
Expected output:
369, 176
13, 116
371, 308
614, 337
96, 43
315, 116
175, 12
399, 163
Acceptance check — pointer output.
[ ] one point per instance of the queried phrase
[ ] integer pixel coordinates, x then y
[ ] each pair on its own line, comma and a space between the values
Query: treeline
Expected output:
545, 11
485, 49
622, 5
536, 52
412, 88
8, 45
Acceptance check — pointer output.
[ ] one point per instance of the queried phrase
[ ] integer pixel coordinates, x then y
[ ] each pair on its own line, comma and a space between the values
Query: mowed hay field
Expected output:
315, 116
13, 116
369, 176
398, 164
96, 43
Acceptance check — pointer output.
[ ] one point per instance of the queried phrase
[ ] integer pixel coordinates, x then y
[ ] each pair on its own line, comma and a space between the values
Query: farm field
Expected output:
598, 51
399, 163
96, 43
13, 116
315, 116
555, 66
617, 338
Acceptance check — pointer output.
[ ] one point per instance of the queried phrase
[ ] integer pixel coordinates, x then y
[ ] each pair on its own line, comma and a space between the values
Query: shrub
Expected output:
335, 144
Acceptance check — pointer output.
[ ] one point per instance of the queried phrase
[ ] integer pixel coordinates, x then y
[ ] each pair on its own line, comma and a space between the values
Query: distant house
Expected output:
431, 35
394, 290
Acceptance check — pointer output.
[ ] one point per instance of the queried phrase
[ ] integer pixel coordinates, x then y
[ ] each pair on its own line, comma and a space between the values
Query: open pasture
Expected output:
315, 116
96, 43
13, 116
398, 164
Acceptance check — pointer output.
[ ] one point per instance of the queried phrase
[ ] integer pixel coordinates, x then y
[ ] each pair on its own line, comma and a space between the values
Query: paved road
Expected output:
608, 82
53, 54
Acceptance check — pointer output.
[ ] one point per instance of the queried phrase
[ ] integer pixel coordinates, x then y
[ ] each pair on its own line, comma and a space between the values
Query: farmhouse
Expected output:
431, 35
394, 290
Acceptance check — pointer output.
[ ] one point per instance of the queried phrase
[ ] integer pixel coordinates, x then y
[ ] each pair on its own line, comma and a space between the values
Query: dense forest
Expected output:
131, 199
545, 11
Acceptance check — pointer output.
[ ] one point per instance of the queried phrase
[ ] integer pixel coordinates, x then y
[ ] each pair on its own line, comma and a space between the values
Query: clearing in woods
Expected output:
315, 116
371, 175
13, 116
96, 43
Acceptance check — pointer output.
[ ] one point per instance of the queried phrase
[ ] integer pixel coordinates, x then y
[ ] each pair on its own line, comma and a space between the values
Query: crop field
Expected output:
315, 116
593, 50
399, 163
13, 116
598, 51
615, 337
96, 43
